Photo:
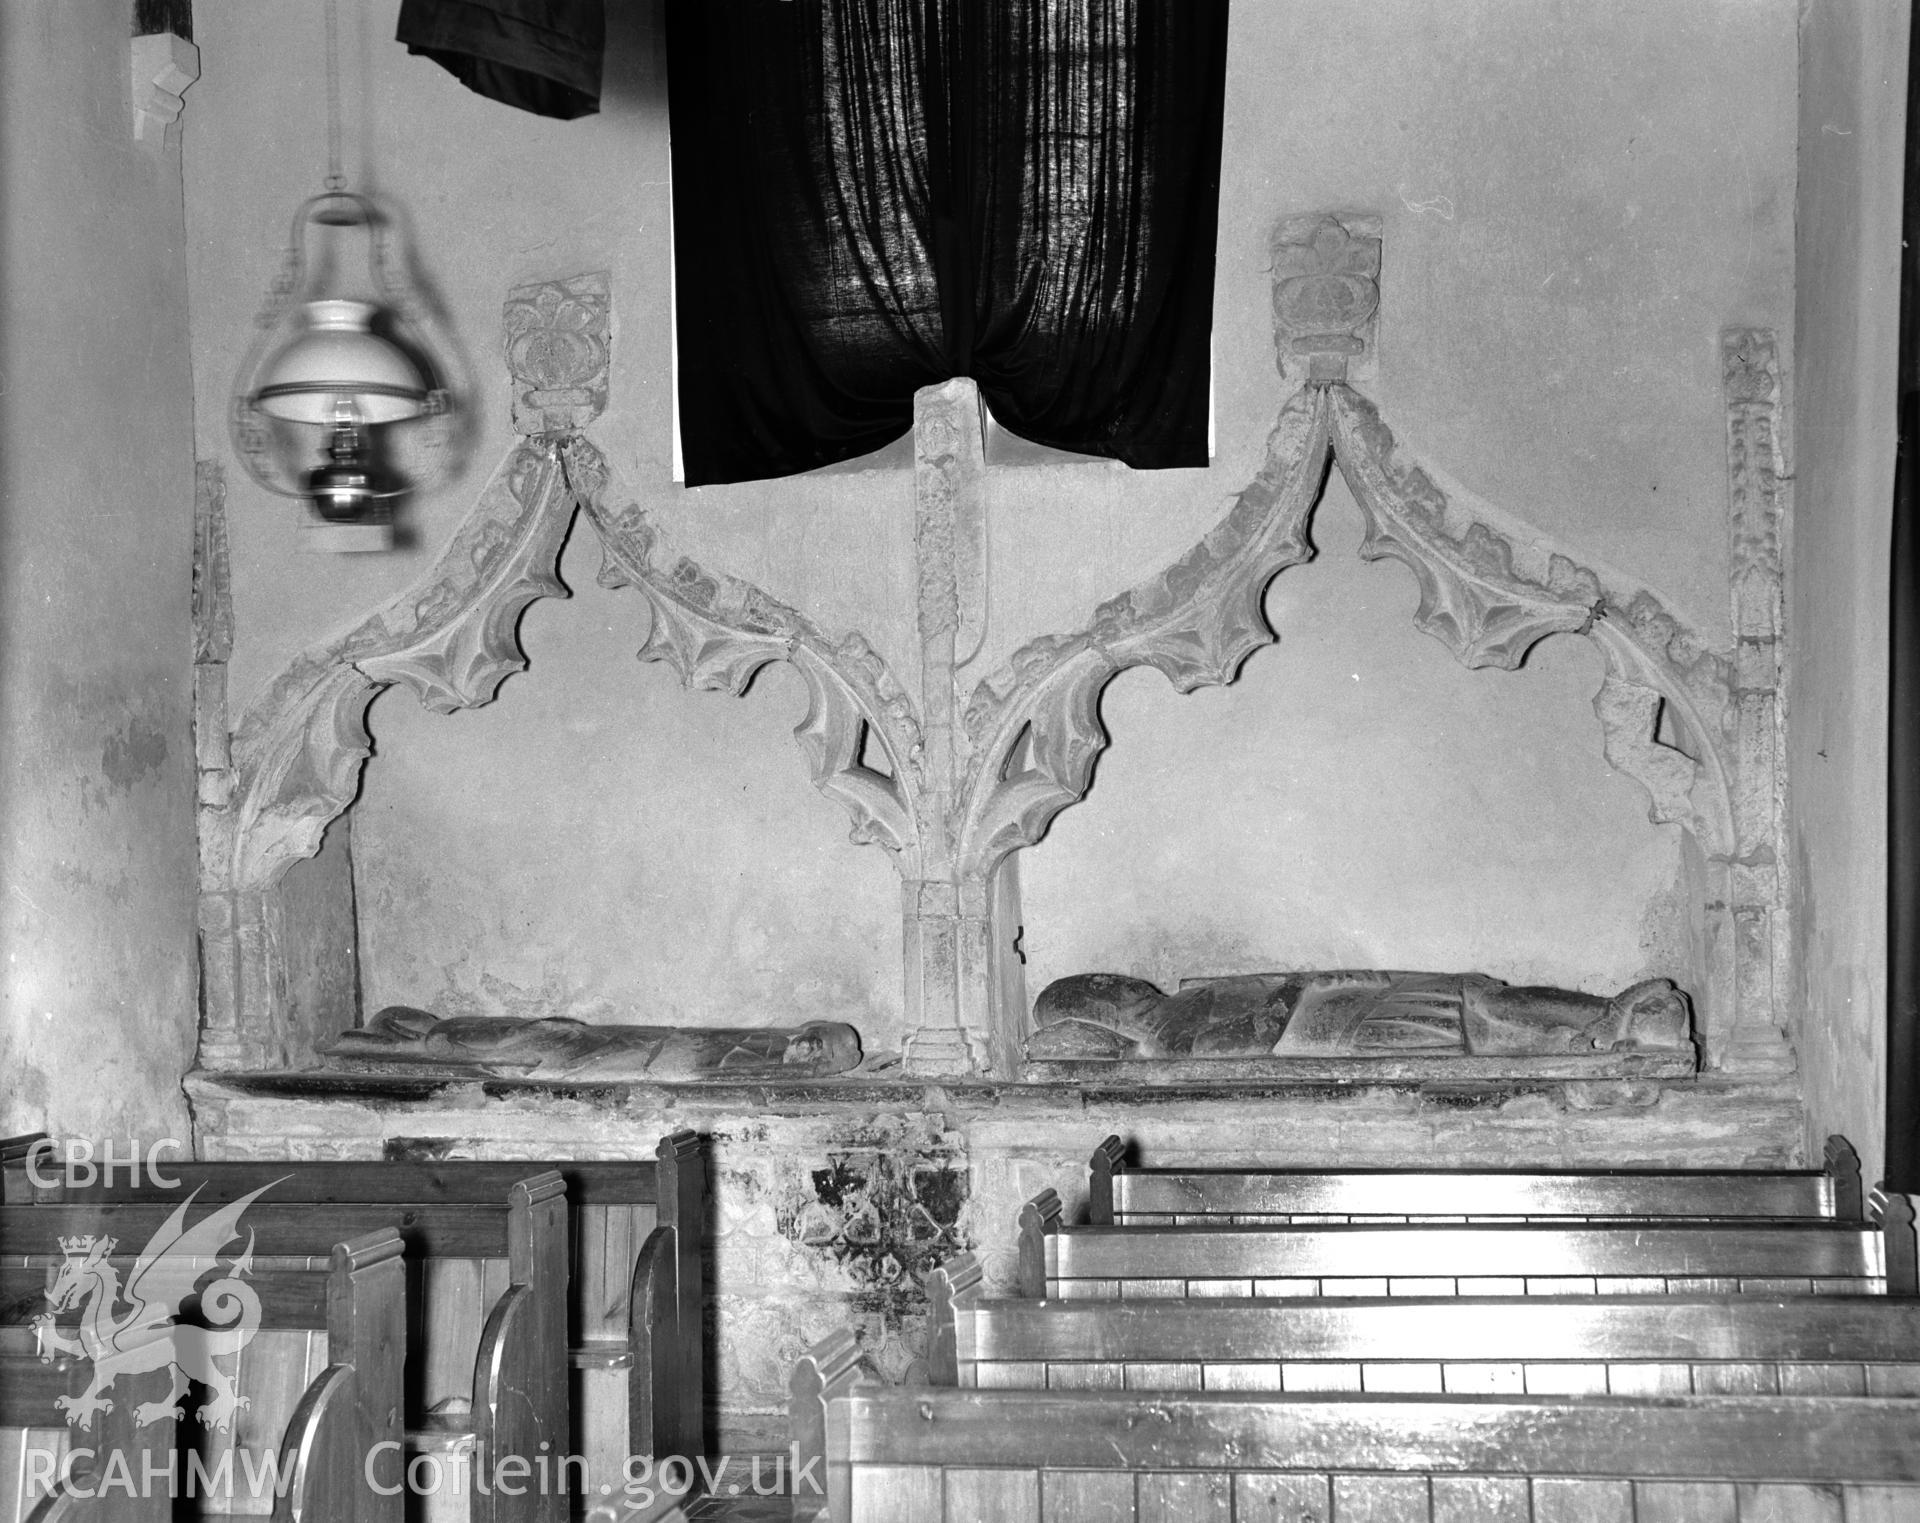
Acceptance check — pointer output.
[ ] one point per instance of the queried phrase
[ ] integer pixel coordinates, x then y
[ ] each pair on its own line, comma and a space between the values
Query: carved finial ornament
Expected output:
1326, 293
558, 348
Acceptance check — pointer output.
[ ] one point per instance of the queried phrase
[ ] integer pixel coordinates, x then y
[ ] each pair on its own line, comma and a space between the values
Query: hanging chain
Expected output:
336, 180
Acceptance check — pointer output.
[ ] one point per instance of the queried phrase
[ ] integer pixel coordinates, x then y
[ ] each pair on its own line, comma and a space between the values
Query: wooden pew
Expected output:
356, 1296
1622, 1345
492, 1338
15, 1189
635, 1287
1123, 1195
1672, 1256
904, 1454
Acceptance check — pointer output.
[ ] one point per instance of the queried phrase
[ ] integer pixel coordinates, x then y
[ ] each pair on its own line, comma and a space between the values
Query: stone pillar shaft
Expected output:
945, 933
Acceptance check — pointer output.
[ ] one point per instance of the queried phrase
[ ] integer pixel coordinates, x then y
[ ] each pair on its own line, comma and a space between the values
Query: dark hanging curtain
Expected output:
871, 196
1903, 750
542, 56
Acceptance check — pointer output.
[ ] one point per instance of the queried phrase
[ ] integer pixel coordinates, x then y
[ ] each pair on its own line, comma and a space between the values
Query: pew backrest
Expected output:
318, 1437
894, 1454
1122, 1194
1502, 1258
490, 1326
613, 1206
1632, 1345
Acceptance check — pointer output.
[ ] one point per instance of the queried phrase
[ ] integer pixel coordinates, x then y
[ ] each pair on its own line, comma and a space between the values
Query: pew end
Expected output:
681, 1171
825, 1375
1843, 1175
660, 1419
352, 1410
1894, 1214
951, 1291
521, 1407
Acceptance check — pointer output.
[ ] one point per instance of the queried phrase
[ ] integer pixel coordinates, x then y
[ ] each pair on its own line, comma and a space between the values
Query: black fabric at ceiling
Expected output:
1903, 748
542, 56
871, 196
154, 16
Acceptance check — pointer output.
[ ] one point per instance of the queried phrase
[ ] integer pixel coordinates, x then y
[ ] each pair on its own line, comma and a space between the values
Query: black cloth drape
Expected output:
542, 56
871, 196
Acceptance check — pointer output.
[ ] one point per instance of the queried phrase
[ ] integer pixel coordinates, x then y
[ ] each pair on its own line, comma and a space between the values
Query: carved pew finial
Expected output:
830, 1369
1894, 1212
951, 1291
1040, 1218
1843, 1168
1109, 1159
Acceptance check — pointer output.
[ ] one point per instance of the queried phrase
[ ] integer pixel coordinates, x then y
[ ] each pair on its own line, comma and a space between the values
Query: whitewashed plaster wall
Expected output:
1852, 149
1575, 200
97, 977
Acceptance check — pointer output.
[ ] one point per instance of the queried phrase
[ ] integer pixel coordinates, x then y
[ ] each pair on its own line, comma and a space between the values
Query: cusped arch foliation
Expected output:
1034, 727
716, 631
451, 638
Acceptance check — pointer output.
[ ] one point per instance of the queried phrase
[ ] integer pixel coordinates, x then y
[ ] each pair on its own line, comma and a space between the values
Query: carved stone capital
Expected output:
558, 348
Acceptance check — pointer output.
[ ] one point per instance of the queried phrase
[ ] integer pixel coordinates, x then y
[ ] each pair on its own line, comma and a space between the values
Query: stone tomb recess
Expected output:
848, 1188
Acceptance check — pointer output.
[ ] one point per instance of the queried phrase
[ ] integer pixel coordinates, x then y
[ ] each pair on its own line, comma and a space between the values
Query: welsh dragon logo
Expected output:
148, 1336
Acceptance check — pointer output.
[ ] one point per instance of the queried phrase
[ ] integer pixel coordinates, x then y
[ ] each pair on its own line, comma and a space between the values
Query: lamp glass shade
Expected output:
340, 359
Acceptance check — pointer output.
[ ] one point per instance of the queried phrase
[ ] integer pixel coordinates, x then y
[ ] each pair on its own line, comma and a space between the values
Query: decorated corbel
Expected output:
164, 65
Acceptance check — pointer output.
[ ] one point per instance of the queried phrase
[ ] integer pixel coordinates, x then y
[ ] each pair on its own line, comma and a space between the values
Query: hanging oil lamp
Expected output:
333, 372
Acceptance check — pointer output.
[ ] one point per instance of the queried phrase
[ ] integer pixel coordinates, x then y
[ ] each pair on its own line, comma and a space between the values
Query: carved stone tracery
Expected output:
970, 780
716, 631
1751, 380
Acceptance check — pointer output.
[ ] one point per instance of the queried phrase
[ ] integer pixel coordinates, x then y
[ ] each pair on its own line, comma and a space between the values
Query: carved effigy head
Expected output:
1652, 1015
1091, 1015
823, 1047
